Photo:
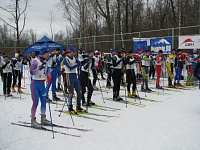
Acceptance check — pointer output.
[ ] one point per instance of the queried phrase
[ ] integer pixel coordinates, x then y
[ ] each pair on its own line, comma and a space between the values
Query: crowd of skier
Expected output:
48, 66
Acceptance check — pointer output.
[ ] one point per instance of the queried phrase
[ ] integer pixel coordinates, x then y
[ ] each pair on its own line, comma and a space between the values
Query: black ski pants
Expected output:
116, 76
7, 80
131, 79
85, 83
17, 74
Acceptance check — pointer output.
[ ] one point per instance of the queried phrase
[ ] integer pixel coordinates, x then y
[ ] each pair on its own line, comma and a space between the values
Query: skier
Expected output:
179, 62
94, 71
59, 59
152, 67
145, 71
38, 91
7, 76
85, 80
109, 66
194, 63
17, 71
188, 63
71, 65
159, 61
139, 64
62, 69
1, 61
118, 60
51, 69
170, 67
130, 74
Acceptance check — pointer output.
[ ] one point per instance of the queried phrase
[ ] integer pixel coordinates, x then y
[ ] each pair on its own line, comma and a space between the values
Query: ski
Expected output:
82, 116
22, 93
127, 102
91, 118
60, 126
107, 107
12, 97
142, 98
44, 129
146, 99
94, 114
100, 108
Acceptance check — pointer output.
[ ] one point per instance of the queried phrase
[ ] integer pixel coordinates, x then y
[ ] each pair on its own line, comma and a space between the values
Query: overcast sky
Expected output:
38, 17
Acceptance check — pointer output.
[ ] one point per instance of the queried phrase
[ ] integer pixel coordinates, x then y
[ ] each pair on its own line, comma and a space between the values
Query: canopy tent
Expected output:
45, 41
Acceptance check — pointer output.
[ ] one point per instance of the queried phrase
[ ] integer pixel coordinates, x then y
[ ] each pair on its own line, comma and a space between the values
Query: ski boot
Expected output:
10, 95
91, 102
129, 94
170, 86
19, 90
148, 90
179, 85
158, 87
134, 95
48, 99
44, 121
84, 103
35, 124
55, 98
119, 98
71, 110
79, 109
13, 90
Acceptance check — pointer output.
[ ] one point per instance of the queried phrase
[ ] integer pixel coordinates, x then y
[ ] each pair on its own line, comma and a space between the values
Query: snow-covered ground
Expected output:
171, 124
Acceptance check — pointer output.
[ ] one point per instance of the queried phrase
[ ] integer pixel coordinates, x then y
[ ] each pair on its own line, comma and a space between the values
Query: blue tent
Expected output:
39, 44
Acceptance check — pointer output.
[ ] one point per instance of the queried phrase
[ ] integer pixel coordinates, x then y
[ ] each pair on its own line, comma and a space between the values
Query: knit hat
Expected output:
139, 49
44, 50
72, 49
112, 50
121, 51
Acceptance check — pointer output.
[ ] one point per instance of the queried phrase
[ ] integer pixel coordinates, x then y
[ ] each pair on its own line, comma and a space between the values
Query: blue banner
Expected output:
139, 44
164, 44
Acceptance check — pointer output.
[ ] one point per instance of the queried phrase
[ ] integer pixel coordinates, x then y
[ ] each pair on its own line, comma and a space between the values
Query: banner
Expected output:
189, 42
142, 39
139, 44
164, 44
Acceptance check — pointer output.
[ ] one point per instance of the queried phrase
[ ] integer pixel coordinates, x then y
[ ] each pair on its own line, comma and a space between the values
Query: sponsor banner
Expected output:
142, 39
164, 44
139, 44
189, 42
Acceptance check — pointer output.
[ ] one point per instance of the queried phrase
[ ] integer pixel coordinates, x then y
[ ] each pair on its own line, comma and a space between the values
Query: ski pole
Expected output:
101, 90
125, 94
136, 87
51, 119
67, 104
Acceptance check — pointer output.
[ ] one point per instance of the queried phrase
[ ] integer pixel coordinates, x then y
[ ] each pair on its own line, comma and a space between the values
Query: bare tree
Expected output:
50, 23
32, 36
17, 14
4, 35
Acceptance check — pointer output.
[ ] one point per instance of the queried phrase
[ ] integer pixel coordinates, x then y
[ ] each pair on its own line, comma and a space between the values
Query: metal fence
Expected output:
106, 42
